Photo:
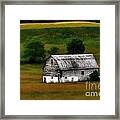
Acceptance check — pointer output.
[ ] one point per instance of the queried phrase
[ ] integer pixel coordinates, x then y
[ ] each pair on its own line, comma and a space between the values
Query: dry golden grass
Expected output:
58, 25
32, 88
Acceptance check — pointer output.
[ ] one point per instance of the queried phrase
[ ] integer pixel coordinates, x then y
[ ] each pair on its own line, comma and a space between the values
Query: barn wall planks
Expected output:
69, 68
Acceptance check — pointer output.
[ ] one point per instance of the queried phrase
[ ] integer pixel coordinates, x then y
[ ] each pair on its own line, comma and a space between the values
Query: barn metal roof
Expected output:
75, 61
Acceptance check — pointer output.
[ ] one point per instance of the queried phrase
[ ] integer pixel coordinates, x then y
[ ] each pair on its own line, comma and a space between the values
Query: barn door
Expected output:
59, 75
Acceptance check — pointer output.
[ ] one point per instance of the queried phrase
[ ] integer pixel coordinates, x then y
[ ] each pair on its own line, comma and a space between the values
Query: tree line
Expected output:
34, 51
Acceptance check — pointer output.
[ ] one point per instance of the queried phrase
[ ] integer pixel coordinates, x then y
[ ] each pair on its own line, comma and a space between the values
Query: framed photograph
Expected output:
60, 59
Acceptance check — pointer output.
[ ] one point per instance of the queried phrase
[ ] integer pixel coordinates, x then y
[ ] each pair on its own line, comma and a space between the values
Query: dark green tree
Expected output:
33, 51
53, 51
75, 46
94, 76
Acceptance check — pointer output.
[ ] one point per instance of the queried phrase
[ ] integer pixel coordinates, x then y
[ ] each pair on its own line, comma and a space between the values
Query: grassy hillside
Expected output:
59, 37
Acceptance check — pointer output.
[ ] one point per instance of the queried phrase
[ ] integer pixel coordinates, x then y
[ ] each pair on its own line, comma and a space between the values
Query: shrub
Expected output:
94, 76
53, 51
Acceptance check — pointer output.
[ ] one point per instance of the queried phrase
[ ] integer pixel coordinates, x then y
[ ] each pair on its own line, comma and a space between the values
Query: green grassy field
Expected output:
31, 86
59, 37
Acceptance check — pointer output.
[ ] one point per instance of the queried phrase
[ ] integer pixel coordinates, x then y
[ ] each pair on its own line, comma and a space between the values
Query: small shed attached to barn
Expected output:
69, 68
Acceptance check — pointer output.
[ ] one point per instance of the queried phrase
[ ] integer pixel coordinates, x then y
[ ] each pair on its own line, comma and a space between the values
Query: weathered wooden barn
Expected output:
69, 68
